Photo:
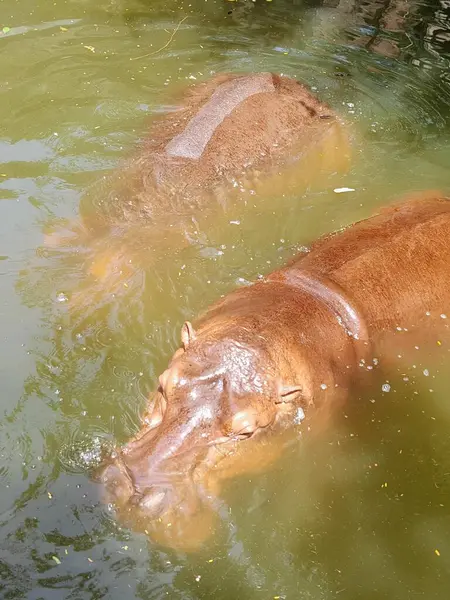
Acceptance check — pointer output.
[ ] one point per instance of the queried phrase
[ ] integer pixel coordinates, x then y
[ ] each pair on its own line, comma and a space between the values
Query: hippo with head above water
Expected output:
267, 354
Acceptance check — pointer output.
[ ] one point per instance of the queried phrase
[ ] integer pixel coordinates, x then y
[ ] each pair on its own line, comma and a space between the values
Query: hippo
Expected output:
229, 134
230, 141
268, 355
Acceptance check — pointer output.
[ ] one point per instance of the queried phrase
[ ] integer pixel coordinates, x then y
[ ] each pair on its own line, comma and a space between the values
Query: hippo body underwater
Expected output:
265, 354
231, 143
228, 136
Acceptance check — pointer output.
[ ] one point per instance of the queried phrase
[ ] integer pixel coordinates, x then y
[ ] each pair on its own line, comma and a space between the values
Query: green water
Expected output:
359, 511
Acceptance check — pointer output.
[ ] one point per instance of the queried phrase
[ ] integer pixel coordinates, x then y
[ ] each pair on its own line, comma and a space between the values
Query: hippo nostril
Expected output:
117, 484
153, 501
111, 474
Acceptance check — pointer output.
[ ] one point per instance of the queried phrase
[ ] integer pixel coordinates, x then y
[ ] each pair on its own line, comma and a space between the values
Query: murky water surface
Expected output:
359, 511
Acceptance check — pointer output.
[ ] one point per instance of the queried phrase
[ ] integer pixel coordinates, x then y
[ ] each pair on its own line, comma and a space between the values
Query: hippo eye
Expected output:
167, 381
243, 436
242, 425
160, 390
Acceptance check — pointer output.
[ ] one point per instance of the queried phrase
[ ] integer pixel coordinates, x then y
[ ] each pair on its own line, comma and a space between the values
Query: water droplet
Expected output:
300, 415
386, 387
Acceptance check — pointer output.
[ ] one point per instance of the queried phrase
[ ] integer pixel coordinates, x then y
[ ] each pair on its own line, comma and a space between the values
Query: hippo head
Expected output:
206, 423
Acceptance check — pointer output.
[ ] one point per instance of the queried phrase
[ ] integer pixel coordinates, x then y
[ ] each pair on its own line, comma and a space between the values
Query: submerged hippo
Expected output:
233, 140
231, 133
266, 355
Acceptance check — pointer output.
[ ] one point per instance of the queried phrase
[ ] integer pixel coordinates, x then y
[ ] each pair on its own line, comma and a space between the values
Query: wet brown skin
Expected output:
296, 341
230, 141
230, 133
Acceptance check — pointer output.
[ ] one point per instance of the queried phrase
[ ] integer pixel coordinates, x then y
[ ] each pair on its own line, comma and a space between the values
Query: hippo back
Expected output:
403, 249
230, 134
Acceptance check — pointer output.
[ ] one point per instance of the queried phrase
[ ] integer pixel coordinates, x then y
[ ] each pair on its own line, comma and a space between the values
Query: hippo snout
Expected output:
154, 502
117, 483
152, 497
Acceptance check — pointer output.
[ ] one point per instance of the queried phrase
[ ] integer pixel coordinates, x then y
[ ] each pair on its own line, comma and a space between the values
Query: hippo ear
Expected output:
289, 393
188, 334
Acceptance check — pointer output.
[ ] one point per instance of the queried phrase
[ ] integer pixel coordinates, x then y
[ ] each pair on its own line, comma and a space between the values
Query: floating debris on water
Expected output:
342, 190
